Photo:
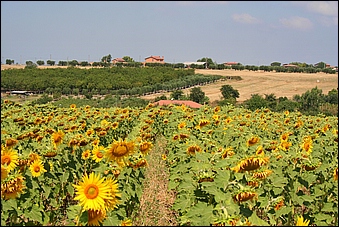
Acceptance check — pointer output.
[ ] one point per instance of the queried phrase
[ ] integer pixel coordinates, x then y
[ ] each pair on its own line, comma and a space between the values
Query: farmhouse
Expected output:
118, 60
155, 59
289, 66
231, 63
20, 93
187, 103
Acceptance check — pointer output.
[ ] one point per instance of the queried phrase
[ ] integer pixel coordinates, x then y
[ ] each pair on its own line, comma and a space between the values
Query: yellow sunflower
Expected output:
251, 163
119, 150
92, 192
307, 144
145, 147
112, 203
126, 222
252, 141
4, 172
57, 138
9, 158
115, 125
181, 125
86, 154
98, 153
12, 187
73, 106
37, 168
202, 123
95, 217
301, 222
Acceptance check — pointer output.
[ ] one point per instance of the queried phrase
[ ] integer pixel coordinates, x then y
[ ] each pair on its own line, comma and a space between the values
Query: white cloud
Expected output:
245, 18
326, 8
299, 23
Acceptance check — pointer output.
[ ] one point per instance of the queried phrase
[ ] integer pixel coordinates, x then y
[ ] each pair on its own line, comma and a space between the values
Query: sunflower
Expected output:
307, 144
126, 222
4, 172
95, 217
95, 142
111, 204
92, 192
86, 154
98, 153
244, 196
192, 149
285, 145
115, 125
202, 123
119, 150
217, 109
11, 142
163, 157
181, 125
284, 137
251, 163
37, 168
165, 121
9, 158
73, 106
263, 174
279, 204
301, 222
145, 147
260, 151
12, 187
228, 153
252, 141
57, 138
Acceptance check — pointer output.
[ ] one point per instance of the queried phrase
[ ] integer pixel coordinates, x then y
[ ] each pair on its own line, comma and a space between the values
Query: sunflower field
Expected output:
227, 165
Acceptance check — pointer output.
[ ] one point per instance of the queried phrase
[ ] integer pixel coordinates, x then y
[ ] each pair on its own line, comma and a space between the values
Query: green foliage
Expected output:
43, 100
50, 62
162, 97
177, 94
40, 62
228, 91
255, 102
197, 95
275, 64
9, 61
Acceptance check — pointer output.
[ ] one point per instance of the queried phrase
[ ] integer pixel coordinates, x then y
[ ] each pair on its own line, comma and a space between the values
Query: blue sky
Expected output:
249, 32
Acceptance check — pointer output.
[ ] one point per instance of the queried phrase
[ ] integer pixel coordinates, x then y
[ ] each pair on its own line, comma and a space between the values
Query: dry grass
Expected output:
156, 201
279, 84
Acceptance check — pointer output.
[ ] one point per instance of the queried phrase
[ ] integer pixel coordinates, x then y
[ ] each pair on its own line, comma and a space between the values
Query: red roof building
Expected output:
118, 60
155, 59
187, 103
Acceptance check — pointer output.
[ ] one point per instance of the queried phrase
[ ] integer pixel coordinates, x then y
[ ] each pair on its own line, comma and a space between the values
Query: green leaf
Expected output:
70, 189
73, 211
255, 220
36, 214
64, 177
322, 216
112, 221
8, 204
328, 207
201, 213
283, 211
47, 190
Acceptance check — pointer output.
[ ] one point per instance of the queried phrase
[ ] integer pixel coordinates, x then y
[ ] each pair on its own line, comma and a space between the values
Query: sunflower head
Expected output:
11, 142
57, 138
335, 174
4, 172
96, 217
37, 168
145, 147
92, 192
301, 222
12, 187
112, 203
9, 158
98, 153
86, 154
192, 149
252, 141
118, 151
181, 125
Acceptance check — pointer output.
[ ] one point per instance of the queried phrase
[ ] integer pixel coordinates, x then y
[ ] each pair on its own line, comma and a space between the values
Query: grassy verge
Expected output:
156, 201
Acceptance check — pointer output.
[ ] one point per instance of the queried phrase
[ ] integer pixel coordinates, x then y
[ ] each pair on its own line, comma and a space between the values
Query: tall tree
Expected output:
228, 91
197, 95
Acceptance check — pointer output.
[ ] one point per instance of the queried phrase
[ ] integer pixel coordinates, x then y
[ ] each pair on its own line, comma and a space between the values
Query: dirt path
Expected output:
280, 84
156, 201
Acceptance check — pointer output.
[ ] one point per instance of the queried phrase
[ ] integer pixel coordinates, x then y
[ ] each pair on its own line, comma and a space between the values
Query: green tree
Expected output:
332, 96
162, 97
228, 91
40, 62
30, 65
275, 64
107, 59
177, 94
208, 60
128, 59
271, 100
50, 62
320, 65
9, 61
197, 95
255, 102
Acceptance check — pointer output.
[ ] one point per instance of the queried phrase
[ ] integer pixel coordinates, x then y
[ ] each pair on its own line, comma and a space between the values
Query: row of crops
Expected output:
227, 165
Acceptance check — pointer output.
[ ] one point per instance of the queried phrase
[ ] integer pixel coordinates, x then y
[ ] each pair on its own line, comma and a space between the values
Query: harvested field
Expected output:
280, 84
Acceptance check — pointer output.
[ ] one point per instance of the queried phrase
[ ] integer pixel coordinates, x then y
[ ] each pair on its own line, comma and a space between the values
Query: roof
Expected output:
118, 59
231, 63
178, 102
156, 57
